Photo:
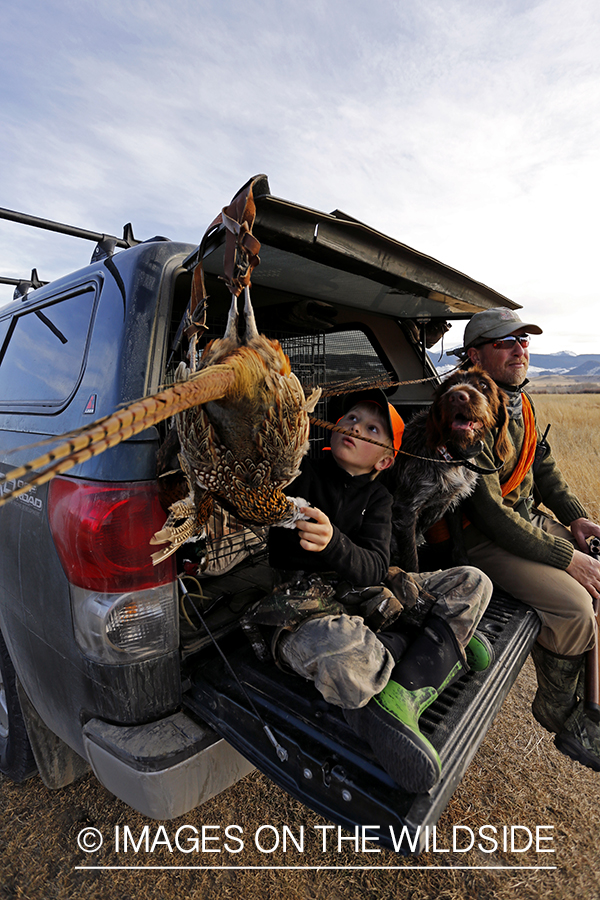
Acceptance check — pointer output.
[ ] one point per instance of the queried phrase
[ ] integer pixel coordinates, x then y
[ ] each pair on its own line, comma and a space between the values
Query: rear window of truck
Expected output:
43, 351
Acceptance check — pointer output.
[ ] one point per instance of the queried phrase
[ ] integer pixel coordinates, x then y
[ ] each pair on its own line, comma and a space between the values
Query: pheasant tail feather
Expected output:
209, 384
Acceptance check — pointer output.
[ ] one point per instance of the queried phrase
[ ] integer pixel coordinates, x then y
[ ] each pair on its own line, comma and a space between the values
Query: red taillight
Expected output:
102, 534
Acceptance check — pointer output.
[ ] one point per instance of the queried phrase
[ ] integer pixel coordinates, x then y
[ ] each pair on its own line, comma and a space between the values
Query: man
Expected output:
539, 560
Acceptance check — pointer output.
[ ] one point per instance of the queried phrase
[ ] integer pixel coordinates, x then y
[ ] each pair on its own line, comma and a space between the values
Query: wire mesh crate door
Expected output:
339, 356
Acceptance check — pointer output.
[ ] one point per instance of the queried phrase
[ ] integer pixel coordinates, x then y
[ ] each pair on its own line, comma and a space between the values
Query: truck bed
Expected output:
327, 767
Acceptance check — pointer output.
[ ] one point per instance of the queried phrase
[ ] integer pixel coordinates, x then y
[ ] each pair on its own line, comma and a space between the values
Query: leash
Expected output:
465, 460
336, 388
446, 457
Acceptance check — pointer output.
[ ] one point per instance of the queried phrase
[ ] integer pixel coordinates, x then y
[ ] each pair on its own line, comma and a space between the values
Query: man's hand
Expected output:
582, 529
586, 570
316, 532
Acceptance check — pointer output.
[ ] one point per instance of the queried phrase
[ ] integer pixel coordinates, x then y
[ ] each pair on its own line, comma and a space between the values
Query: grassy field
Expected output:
575, 440
516, 779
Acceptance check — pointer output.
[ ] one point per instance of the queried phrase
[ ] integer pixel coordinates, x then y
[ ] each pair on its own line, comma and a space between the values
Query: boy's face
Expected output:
358, 457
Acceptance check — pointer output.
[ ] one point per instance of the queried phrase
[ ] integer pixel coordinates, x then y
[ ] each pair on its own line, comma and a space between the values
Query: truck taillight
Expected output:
102, 533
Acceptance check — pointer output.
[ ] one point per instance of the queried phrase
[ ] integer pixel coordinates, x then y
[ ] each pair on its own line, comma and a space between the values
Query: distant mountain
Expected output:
548, 370
563, 360
563, 363
586, 368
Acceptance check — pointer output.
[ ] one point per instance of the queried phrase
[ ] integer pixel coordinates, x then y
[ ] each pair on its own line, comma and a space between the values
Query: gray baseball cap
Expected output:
491, 324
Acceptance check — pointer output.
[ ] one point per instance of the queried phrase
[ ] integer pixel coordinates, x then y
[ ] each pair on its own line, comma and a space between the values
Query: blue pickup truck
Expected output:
103, 663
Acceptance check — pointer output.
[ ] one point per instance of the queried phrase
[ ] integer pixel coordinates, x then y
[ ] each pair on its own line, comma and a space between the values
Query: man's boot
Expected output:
556, 695
389, 722
580, 739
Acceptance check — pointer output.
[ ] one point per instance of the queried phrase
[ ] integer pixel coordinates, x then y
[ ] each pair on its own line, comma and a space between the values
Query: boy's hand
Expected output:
316, 532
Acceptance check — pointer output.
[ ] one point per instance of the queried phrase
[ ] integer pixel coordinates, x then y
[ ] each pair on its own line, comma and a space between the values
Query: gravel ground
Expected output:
516, 779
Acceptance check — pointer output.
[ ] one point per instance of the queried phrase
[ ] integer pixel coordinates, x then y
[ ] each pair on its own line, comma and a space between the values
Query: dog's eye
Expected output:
483, 385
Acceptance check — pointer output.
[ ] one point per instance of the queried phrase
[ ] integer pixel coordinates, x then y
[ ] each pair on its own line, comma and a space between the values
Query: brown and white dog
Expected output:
444, 438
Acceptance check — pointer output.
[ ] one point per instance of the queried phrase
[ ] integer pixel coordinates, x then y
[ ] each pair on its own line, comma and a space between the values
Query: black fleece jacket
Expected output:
360, 511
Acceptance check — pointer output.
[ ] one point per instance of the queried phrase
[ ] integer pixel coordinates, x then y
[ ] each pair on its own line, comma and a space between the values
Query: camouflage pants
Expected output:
346, 661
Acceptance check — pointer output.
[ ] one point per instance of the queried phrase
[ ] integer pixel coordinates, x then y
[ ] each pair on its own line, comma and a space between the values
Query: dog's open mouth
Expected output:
463, 427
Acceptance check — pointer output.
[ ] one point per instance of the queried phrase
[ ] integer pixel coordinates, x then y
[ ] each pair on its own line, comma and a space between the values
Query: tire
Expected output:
16, 756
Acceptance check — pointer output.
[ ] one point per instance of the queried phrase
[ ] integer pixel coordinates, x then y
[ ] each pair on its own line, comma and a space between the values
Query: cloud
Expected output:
467, 130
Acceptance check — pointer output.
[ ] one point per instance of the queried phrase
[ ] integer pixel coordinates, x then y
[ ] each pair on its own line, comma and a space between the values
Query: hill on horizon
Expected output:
564, 371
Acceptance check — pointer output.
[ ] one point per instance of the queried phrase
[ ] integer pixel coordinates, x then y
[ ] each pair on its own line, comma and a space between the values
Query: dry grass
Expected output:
575, 440
517, 778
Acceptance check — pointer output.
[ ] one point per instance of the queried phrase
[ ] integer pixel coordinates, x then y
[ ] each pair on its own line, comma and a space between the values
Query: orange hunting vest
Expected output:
439, 530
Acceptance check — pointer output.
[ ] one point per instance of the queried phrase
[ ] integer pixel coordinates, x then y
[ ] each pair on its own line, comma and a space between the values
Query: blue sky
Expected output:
467, 129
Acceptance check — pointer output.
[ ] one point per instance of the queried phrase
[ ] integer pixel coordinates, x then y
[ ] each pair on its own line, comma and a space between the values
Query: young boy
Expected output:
349, 528
347, 539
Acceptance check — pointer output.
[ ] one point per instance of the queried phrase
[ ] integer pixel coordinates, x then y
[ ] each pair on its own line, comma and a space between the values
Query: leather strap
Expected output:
241, 254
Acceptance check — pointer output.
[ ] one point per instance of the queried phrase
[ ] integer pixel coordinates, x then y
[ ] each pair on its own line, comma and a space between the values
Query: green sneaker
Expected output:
390, 721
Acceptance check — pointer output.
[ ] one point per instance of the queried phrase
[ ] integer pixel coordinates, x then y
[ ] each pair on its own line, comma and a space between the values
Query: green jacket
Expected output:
506, 520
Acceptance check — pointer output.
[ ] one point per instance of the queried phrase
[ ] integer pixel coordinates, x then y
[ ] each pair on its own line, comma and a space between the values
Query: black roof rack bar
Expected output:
24, 219
17, 281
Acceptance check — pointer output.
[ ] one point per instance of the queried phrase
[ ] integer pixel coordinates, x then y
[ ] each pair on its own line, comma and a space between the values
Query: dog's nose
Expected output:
459, 396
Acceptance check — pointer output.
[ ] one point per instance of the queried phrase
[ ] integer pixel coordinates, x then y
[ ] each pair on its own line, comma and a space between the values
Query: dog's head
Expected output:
465, 405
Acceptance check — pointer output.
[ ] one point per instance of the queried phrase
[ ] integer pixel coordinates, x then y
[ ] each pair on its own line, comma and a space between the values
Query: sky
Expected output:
468, 129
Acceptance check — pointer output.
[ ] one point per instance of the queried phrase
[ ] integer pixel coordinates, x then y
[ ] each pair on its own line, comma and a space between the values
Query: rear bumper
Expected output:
163, 769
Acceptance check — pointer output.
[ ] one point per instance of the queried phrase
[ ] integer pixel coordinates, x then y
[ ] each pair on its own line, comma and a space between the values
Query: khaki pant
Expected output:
346, 661
563, 605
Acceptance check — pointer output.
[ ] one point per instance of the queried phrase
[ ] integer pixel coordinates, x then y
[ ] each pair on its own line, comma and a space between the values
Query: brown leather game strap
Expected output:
241, 254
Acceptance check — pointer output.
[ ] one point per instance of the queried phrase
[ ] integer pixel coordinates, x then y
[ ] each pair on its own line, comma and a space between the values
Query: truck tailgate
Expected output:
327, 767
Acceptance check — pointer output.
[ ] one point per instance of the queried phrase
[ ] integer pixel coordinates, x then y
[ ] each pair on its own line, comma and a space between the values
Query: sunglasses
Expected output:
509, 342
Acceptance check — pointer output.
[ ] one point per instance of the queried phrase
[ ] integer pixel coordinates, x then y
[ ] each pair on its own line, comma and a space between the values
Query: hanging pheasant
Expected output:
241, 414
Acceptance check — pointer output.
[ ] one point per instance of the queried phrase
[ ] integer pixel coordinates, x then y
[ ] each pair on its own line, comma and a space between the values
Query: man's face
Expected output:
508, 366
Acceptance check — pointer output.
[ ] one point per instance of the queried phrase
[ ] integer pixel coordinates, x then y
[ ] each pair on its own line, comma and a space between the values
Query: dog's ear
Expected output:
502, 444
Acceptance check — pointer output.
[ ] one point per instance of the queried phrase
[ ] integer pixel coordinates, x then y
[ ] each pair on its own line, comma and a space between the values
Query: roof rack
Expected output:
106, 245
23, 285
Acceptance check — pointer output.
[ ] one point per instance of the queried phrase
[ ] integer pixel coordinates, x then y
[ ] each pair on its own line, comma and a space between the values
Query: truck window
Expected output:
44, 354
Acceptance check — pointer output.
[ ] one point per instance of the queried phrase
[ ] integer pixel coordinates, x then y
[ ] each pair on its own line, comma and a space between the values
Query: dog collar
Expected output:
464, 460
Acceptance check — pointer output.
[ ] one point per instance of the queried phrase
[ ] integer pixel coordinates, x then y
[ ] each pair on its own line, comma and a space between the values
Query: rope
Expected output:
334, 389
321, 423
331, 427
